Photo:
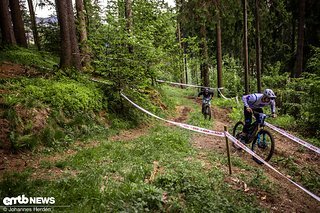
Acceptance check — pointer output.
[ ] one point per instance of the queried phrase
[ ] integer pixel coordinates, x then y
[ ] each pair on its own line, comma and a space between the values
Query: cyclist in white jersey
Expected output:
254, 103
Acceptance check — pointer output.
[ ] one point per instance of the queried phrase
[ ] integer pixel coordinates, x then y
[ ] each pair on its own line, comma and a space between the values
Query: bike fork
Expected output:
261, 143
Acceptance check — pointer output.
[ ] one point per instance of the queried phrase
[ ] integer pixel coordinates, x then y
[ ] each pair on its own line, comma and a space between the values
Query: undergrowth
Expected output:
29, 57
156, 172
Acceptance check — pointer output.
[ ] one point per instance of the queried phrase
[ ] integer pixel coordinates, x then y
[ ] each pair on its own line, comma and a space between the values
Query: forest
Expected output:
68, 133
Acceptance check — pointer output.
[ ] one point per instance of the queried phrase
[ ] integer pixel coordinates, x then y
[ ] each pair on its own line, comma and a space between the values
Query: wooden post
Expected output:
228, 152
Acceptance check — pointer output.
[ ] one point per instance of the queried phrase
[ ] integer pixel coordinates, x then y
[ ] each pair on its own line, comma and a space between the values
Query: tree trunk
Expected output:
219, 49
5, 23
83, 33
76, 61
299, 59
258, 46
245, 47
204, 55
65, 56
293, 34
18, 25
34, 25
181, 62
87, 17
185, 63
128, 16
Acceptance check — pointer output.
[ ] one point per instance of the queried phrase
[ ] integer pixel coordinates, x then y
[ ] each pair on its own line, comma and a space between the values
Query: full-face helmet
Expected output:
269, 93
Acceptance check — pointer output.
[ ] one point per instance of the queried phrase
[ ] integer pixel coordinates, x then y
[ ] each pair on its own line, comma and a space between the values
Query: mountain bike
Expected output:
262, 142
206, 109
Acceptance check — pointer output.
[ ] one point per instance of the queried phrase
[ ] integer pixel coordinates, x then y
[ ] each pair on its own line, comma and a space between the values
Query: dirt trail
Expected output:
288, 198
12, 70
10, 162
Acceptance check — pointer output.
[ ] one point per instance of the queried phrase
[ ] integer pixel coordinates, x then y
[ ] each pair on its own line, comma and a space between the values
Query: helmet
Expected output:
206, 90
269, 93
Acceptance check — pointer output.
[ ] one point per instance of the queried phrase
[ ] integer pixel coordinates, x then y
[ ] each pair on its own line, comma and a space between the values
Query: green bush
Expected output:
28, 57
67, 95
301, 99
237, 114
64, 110
232, 83
285, 121
313, 64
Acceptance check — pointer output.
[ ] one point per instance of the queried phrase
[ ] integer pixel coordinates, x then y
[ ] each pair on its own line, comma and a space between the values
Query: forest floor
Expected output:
288, 197
285, 198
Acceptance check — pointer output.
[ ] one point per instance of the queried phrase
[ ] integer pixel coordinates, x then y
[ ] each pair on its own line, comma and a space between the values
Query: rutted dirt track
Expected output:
288, 198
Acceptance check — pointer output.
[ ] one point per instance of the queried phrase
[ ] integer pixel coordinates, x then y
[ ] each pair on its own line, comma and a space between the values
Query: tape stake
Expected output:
221, 134
245, 148
294, 138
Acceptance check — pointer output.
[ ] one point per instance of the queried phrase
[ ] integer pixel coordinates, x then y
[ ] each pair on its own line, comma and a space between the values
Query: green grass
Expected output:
253, 176
197, 119
66, 94
29, 57
221, 102
111, 178
177, 96
185, 97
306, 175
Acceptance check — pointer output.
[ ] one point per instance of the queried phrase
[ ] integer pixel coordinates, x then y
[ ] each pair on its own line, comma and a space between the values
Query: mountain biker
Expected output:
207, 95
254, 103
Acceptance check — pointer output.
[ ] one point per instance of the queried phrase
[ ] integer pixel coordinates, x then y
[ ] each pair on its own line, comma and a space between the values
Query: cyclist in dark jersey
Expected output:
207, 95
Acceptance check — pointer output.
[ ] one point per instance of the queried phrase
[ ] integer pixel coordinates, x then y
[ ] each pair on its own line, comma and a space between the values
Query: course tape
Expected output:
221, 134
294, 138
189, 85
185, 126
223, 95
236, 98
238, 143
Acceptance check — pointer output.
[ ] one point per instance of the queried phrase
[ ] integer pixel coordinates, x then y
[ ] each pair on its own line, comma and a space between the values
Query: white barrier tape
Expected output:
189, 85
223, 134
294, 138
238, 143
185, 126
236, 98
223, 95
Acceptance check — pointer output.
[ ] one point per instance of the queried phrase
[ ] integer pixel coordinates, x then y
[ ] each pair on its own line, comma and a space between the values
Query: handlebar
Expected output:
266, 115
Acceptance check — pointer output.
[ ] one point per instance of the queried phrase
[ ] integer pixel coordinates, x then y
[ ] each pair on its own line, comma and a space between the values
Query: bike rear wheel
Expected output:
263, 145
237, 130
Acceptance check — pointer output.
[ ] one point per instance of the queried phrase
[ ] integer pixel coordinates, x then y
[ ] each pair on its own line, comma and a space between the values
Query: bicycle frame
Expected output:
205, 103
256, 129
254, 133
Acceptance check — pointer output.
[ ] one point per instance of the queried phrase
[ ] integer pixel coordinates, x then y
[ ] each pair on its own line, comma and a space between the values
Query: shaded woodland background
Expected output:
242, 46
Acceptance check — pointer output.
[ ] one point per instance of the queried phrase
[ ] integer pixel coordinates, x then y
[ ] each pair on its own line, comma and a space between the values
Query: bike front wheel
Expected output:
263, 145
207, 113
237, 130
